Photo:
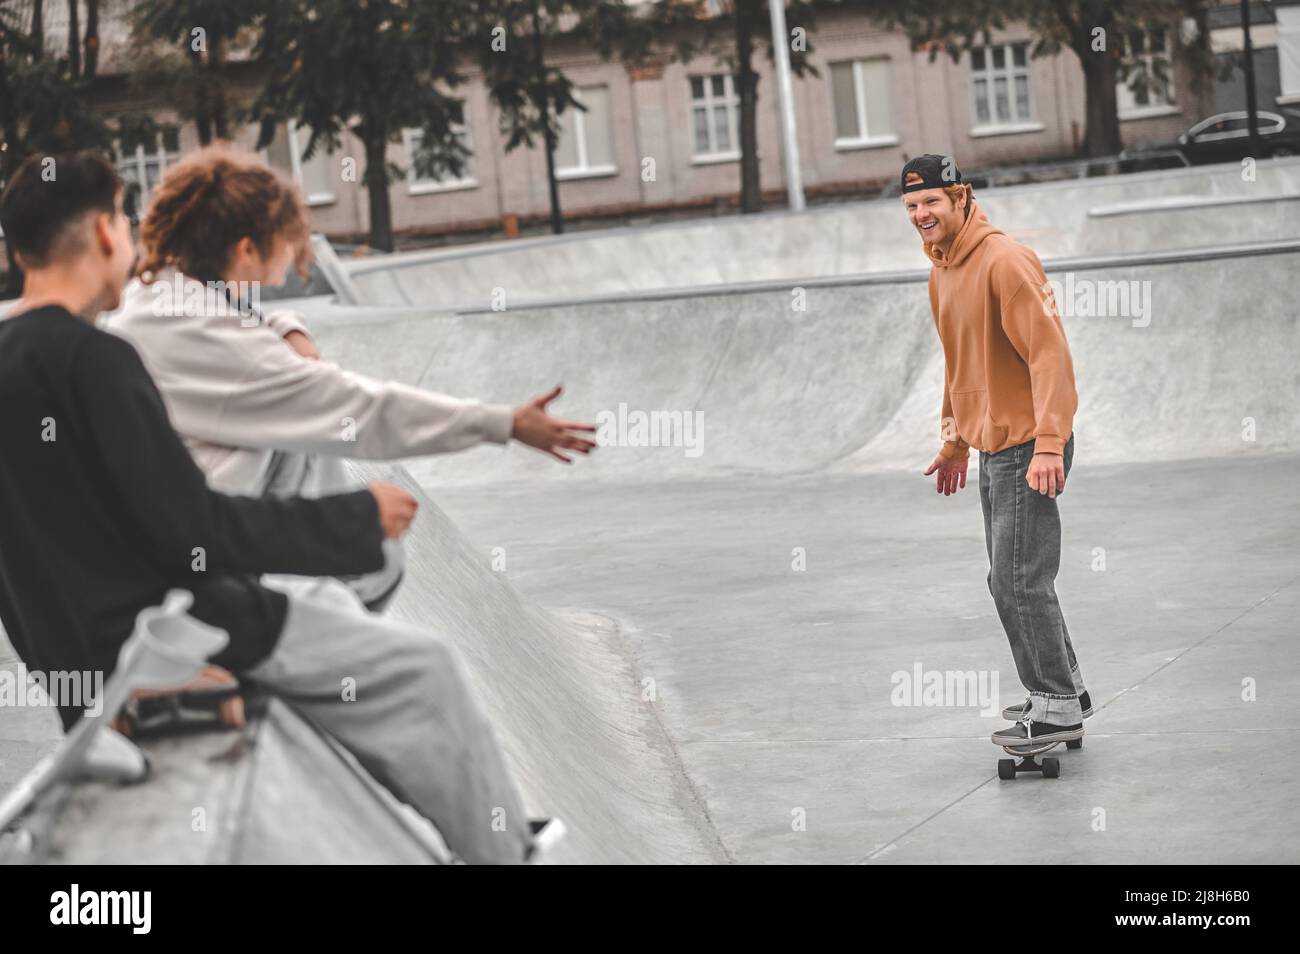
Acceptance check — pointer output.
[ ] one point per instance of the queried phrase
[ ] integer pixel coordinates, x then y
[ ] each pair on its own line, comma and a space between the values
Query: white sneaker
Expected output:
547, 833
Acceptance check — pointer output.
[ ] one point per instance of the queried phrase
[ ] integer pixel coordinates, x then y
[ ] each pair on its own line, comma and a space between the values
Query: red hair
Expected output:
210, 200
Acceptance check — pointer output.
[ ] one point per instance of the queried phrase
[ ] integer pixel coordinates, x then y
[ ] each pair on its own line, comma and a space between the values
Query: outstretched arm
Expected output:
270, 397
168, 499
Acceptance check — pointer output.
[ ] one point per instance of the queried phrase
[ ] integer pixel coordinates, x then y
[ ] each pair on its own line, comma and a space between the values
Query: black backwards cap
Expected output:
936, 172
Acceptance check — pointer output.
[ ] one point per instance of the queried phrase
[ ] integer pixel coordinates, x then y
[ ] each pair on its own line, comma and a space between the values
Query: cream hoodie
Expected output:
236, 394
1008, 375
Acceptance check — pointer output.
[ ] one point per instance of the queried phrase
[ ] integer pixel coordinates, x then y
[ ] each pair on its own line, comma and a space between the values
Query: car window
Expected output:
1223, 127
1227, 125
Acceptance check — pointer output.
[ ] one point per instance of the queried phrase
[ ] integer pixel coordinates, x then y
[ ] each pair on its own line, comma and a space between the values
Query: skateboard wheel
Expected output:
1074, 744
1006, 769
1051, 768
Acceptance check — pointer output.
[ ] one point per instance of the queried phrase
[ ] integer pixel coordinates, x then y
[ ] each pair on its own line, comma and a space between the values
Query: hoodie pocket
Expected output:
971, 408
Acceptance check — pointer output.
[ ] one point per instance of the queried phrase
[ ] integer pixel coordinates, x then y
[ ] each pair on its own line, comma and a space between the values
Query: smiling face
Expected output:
935, 215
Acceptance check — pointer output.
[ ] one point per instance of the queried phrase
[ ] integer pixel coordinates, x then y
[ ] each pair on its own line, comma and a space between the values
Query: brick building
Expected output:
875, 103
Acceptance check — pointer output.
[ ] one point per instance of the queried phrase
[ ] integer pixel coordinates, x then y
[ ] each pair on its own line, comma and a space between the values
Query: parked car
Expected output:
1225, 137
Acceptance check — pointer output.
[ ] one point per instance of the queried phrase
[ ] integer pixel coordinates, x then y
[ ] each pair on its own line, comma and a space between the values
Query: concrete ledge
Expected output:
1183, 203
275, 792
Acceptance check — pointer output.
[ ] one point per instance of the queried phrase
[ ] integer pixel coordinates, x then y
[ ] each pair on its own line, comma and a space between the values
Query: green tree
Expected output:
182, 46
45, 81
1102, 34
371, 68
732, 39
512, 39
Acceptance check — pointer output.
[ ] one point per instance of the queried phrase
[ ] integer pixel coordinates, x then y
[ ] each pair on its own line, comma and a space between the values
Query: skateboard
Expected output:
1025, 761
213, 699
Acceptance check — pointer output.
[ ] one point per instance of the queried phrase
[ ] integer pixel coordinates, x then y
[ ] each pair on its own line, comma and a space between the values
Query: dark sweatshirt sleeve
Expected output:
165, 494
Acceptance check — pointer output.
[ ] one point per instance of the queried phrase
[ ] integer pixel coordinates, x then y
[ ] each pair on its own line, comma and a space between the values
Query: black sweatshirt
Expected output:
102, 510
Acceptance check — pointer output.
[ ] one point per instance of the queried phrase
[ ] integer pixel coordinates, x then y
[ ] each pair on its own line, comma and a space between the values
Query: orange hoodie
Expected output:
1008, 376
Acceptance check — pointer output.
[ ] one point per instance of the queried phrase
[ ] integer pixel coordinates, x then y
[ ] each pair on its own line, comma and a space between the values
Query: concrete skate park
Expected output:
692, 650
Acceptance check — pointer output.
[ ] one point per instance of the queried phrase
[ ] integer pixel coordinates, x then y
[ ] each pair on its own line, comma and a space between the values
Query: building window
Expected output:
1144, 84
315, 176
1288, 52
1000, 85
585, 147
715, 117
861, 101
422, 180
141, 165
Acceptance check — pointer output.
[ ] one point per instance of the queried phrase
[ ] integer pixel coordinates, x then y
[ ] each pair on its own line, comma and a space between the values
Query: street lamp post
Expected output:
785, 96
1252, 107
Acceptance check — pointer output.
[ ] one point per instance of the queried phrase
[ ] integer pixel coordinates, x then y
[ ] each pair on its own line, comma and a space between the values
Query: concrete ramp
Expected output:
853, 381
1103, 216
581, 729
1207, 371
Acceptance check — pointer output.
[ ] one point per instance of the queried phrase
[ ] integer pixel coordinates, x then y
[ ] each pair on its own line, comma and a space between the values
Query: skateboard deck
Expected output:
1025, 760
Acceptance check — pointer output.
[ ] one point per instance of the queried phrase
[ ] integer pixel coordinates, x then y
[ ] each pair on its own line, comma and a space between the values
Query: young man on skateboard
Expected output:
1008, 391
103, 511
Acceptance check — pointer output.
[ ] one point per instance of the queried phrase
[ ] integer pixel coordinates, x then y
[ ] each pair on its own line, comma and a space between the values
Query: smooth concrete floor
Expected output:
774, 684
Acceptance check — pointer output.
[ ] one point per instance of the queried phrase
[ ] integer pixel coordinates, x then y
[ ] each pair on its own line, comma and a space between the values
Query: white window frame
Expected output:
1167, 108
295, 162
730, 101
867, 141
417, 186
140, 161
1017, 124
1288, 53
584, 170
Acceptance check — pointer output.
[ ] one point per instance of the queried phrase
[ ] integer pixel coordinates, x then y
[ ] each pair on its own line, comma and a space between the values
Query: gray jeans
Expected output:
399, 699
1023, 531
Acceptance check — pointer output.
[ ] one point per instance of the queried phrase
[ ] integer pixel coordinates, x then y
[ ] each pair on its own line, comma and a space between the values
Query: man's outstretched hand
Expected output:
951, 471
551, 435
396, 508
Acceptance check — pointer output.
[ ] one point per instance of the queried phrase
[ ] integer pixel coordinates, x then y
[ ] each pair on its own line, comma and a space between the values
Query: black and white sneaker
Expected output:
546, 833
1016, 713
1028, 734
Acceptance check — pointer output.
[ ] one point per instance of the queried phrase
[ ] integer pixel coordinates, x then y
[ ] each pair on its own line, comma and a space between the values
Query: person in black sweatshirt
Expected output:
102, 511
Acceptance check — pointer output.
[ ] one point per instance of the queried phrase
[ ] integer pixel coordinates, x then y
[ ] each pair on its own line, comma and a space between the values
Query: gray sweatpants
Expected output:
293, 474
398, 698
412, 719
1023, 531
